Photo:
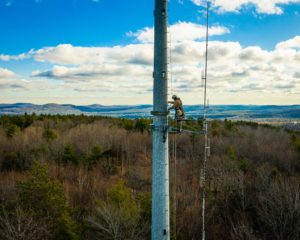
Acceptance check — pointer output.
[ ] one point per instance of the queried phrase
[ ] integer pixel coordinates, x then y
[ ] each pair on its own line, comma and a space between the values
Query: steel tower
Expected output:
160, 155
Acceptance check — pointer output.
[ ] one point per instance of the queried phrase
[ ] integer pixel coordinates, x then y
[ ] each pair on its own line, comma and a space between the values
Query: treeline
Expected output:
87, 177
21, 122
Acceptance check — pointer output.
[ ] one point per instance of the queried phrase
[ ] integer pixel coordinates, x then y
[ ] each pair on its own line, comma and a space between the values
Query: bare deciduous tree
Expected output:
109, 223
279, 210
19, 226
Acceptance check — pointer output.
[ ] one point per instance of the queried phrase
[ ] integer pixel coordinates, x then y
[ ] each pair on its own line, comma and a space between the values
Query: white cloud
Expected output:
10, 80
5, 73
202, 3
261, 6
4, 57
68, 54
90, 72
181, 31
121, 71
293, 43
232, 68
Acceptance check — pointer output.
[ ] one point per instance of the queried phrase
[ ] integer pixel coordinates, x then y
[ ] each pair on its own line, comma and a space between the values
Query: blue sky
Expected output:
88, 51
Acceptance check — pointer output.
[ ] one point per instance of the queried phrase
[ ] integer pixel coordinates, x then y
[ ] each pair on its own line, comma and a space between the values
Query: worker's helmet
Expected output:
174, 97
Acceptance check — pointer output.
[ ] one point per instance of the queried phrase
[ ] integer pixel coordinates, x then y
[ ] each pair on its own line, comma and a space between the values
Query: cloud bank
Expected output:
179, 32
261, 6
234, 70
10, 80
5, 73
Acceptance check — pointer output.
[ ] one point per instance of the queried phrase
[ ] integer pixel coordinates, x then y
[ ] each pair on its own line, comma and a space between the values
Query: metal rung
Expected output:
157, 113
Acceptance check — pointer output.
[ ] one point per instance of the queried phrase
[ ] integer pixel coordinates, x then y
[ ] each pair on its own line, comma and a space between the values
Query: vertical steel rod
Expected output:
206, 145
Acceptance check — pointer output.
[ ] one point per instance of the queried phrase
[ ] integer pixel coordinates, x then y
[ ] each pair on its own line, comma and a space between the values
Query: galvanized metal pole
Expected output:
160, 155
206, 139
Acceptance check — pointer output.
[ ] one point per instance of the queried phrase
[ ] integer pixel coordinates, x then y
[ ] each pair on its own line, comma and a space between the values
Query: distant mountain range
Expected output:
136, 111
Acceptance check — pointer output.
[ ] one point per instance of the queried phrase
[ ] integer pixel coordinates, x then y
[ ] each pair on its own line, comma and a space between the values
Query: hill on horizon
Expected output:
138, 111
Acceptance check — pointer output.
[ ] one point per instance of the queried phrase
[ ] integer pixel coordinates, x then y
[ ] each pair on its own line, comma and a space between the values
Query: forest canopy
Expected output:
89, 177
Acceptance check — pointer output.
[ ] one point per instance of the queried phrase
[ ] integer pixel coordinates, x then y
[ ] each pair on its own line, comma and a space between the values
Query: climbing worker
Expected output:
177, 105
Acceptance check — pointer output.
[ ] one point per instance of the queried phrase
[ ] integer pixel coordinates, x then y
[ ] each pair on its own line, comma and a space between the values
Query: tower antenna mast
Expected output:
160, 149
205, 125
